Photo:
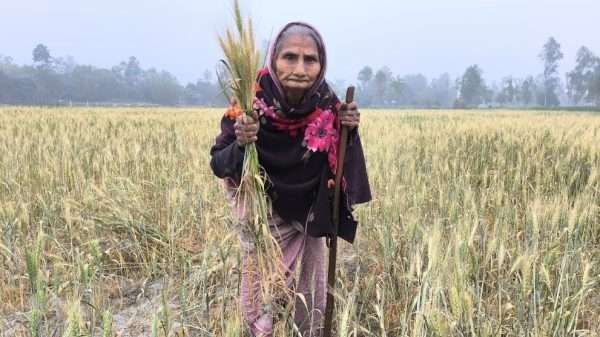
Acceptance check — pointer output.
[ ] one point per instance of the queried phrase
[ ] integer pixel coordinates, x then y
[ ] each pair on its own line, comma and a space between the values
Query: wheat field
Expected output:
483, 223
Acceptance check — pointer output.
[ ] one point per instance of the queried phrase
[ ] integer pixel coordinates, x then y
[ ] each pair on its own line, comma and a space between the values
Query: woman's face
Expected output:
297, 65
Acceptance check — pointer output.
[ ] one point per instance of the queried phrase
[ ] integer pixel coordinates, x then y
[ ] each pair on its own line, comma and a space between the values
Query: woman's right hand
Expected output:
246, 128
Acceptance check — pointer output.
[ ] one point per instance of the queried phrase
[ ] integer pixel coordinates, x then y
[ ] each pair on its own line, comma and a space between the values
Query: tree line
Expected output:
51, 80
581, 86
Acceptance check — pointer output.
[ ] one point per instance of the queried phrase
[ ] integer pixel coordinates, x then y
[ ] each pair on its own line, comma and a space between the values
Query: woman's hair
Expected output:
297, 30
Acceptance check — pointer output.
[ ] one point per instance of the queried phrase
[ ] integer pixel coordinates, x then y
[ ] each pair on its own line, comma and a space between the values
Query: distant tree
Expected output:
442, 91
16, 90
527, 91
540, 97
501, 98
5, 60
550, 55
509, 88
5, 85
518, 85
594, 92
190, 96
416, 91
119, 69
41, 54
472, 86
365, 92
203, 93
160, 87
579, 79
397, 88
89, 84
365, 76
63, 65
488, 95
507, 93
381, 82
385, 89
58, 80
49, 86
132, 71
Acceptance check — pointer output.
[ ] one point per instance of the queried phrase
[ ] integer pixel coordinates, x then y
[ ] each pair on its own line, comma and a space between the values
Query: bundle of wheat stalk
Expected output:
242, 61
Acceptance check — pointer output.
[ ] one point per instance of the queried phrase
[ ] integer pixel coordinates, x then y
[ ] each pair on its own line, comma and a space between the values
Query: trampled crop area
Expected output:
483, 223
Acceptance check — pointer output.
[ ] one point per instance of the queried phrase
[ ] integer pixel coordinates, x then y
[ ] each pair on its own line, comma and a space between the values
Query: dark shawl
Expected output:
297, 149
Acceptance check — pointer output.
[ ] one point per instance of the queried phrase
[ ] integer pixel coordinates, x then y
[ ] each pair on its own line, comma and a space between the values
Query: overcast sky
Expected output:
431, 37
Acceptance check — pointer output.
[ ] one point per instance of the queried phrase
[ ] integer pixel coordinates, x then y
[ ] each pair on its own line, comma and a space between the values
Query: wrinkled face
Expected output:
297, 65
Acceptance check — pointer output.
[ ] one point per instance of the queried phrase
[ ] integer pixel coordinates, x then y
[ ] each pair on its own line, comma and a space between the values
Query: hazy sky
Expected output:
431, 37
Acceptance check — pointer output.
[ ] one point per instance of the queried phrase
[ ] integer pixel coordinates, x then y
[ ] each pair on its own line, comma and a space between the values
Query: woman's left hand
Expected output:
350, 116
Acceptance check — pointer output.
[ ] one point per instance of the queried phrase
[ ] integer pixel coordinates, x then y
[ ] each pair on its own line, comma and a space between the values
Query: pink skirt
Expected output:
305, 258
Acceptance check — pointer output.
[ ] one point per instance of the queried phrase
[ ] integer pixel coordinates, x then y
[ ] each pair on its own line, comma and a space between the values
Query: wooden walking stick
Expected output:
336, 221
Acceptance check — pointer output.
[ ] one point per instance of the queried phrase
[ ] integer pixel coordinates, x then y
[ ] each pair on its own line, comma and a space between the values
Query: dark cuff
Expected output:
228, 162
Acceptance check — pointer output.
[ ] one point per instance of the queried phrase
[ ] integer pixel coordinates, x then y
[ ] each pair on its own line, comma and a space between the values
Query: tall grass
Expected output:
482, 224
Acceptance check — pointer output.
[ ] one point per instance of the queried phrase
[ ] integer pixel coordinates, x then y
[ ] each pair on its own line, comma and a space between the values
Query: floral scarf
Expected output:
315, 121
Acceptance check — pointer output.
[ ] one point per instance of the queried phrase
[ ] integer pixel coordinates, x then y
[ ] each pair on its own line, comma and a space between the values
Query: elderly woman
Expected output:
295, 129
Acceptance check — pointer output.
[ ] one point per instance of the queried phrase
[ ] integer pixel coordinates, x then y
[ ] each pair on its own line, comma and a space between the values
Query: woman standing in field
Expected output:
295, 129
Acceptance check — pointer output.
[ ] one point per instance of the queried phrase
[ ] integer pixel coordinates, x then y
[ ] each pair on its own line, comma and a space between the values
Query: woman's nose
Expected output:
300, 68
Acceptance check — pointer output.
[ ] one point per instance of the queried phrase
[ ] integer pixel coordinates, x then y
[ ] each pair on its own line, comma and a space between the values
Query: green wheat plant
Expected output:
74, 325
107, 322
39, 296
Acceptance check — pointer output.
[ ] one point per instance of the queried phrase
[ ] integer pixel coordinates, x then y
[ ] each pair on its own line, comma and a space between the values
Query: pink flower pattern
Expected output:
320, 129
320, 134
